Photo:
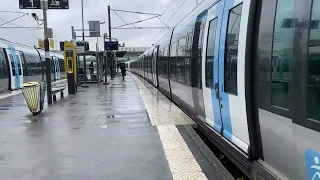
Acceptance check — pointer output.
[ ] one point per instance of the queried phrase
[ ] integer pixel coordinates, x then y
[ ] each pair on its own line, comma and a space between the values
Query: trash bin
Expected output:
34, 93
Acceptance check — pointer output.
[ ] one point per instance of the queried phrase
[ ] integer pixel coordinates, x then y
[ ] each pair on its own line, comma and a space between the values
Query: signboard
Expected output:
52, 43
85, 44
58, 4
79, 49
29, 4
50, 33
62, 46
94, 28
40, 44
111, 46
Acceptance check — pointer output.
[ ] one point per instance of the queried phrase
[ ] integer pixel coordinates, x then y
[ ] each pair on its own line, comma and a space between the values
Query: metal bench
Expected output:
58, 86
56, 90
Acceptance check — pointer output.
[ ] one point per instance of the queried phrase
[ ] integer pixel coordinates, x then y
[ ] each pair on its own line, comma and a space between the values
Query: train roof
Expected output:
27, 49
187, 22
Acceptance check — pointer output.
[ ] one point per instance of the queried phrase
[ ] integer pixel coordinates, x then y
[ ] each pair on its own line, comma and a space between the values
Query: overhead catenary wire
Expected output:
162, 21
144, 28
135, 12
17, 12
176, 11
13, 19
21, 27
122, 18
155, 36
159, 19
136, 22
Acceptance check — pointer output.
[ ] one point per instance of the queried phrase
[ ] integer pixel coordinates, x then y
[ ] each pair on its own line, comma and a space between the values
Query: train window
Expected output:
3, 66
165, 62
12, 65
160, 62
19, 64
288, 22
210, 52
183, 41
181, 58
313, 87
231, 51
199, 60
181, 64
282, 54
188, 58
173, 57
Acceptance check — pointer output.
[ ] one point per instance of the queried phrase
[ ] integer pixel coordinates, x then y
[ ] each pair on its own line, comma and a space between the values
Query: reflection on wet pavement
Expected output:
103, 132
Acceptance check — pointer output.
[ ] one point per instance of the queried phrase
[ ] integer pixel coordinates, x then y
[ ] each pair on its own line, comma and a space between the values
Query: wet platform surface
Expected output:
126, 130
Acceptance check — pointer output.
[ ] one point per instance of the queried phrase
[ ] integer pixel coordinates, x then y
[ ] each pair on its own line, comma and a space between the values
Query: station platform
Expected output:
126, 130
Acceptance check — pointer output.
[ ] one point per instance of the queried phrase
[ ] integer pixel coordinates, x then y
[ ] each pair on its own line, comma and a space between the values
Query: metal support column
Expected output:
47, 55
105, 61
111, 58
84, 53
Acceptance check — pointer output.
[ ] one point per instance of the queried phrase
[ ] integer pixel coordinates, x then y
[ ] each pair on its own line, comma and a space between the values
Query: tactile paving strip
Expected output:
165, 116
181, 161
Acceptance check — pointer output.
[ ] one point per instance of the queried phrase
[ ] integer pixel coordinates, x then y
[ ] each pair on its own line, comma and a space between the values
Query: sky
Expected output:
95, 10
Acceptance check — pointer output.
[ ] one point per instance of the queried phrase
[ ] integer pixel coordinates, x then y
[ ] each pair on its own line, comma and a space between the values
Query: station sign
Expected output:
94, 28
29, 4
58, 4
52, 43
40, 44
85, 44
62, 46
79, 49
36, 4
111, 45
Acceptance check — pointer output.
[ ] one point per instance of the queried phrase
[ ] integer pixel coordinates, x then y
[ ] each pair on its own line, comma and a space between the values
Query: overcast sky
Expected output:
62, 20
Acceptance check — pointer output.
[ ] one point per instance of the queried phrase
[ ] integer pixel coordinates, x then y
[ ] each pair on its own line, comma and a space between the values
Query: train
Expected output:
20, 64
248, 73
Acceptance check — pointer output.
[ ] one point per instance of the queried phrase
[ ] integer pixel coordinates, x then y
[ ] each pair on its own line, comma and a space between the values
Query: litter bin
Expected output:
34, 93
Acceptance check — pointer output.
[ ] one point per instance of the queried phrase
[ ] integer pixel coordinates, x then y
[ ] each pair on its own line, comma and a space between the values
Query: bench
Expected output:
56, 90
58, 86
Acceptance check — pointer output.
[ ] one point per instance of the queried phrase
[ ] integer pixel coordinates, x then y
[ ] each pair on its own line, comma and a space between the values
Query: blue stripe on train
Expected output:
16, 68
215, 102
225, 110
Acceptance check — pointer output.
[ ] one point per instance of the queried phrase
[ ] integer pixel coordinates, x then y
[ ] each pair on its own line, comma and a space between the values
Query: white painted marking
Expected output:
13, 93
165, 115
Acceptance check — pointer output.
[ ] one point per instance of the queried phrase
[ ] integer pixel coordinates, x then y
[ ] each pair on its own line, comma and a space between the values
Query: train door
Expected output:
4, 74
154, 66
229, 73
144, 64
56, 68
210, 67
150, 66
196, 65
15, 68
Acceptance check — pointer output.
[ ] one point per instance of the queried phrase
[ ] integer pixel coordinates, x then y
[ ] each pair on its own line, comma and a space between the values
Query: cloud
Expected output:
62, 20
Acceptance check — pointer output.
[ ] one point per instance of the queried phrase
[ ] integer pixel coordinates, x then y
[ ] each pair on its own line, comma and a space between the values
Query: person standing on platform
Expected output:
123, 70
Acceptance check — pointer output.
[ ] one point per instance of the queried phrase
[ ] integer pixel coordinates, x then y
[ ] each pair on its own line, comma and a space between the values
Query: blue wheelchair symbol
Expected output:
313, 166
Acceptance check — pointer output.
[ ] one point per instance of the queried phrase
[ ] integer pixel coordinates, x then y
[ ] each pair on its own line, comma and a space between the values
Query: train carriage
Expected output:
248, 73
20, 64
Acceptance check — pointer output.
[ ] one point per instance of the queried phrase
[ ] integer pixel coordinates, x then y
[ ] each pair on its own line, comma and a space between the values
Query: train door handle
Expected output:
216, 87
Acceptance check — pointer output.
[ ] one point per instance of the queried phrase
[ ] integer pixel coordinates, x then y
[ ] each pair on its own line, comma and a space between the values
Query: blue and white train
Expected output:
20, 64
248, 72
